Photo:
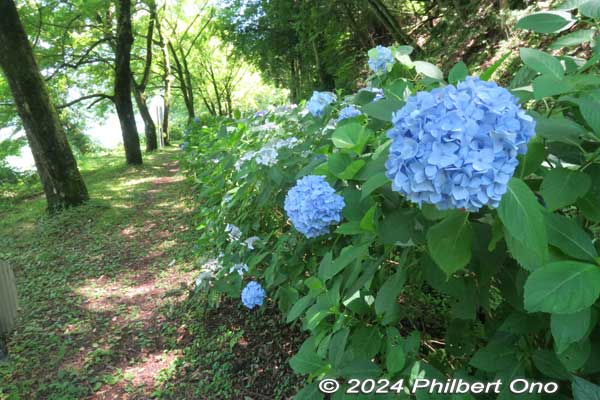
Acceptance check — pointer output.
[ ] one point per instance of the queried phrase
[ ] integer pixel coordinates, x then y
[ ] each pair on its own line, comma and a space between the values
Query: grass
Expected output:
107, 303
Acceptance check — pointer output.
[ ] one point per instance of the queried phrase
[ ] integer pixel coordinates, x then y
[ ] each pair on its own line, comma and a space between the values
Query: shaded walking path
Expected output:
96, 283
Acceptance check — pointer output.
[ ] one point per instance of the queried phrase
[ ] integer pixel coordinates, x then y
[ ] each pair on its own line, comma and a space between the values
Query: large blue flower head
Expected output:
348, 112
456, 147
318, 101
253, 295
380, 58
313, 206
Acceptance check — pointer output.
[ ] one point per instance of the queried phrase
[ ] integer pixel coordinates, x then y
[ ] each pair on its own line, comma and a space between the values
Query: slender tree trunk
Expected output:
167, 81
139, 89
123, 102
54, 160
391, 24
183, 77
149, 126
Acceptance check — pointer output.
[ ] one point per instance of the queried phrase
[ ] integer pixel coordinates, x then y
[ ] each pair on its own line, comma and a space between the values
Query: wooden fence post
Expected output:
8, 304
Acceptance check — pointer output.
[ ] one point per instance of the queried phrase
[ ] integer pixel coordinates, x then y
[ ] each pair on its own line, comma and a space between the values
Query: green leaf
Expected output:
496, 356
570, 328
546, 22
373, 183
298, 308
387, 297
337, 346
573, 39
449, 242
328, 268
367, 222
530, 161
306, 361
395, 359
590, 203
584, 390
487, 74
559, 130
576, 355
349, 228
352, 136
429, 70
342, 166
360, 369
527, 256
548, 86
383, 109
562, 187
365, 342
547, 363
522, 217
542, 62
563, 287
570, 238
588, 106
590, 9
458, 73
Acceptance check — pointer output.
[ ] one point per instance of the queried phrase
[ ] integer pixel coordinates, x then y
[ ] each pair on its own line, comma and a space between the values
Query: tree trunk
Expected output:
53, 157
391, 24
139, 90
149, 126
123, 102
167, 81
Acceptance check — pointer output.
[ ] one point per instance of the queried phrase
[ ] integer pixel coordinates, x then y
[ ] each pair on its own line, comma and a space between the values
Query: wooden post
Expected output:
8, 304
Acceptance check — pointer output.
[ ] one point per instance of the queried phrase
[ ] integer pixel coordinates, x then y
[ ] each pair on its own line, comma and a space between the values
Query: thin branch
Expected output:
98, 96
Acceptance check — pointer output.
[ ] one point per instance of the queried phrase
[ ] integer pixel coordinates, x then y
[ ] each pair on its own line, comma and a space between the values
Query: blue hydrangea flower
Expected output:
348, 112
456, 147
260, 113
184, 145
313, 206
318, 101
380, 58
253, 295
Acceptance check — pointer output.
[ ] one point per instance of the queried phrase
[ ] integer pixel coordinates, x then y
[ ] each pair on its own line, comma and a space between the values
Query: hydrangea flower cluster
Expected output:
239, 268
457, 147
249, 243
233, 232
348, 112
312, 206
318, 101
380, 58
253, 295
268, 154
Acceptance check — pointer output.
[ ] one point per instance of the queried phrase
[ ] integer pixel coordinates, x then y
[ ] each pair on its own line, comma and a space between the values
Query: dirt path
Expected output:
96, 328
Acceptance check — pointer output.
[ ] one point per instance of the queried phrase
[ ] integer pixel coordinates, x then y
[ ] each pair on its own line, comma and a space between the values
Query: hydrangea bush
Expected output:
448, 229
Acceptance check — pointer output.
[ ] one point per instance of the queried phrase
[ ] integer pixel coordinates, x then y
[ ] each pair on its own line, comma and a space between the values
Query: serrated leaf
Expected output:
522, 217
541, 62
306, 361
584, 390
299, 307
449, 242
546, 22
386, 300
590, 9
458, 73
559, 130
530, 161
352, 136
563, 287
573, 39
383, 109
562, 187
569, 328
547, 363
429, 70
337, 346
329, 268
373, 183
570, 238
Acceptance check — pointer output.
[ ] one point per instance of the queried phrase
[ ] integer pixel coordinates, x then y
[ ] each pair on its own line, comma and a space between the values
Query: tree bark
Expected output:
123, 102
149, 126
391, 24
139, 89
56, 165
167, 82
